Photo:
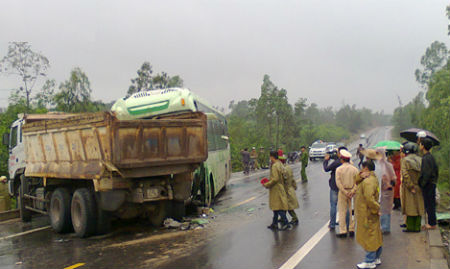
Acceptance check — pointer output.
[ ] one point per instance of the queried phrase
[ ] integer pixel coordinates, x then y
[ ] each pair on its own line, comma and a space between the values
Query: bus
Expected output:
212, 175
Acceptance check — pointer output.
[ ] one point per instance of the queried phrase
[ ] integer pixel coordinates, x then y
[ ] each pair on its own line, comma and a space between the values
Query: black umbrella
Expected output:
411, 135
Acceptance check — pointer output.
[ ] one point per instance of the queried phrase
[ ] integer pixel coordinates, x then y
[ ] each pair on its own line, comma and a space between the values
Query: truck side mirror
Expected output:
6, 139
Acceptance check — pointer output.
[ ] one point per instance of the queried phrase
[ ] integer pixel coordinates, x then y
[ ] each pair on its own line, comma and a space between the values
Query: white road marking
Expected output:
24, 233
295, 259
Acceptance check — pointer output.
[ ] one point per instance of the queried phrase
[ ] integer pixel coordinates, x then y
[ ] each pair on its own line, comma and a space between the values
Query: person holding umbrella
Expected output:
429, 170
388, 178
429, 174
393, 148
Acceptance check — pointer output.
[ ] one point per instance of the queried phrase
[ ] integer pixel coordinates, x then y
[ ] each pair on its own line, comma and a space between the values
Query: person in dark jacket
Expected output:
429, 174
332, 183
245, 160
360, 155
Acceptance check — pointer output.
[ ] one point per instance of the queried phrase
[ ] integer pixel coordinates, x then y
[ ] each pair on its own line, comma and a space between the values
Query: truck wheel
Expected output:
25, 214
159, 214
59, 211
84, 212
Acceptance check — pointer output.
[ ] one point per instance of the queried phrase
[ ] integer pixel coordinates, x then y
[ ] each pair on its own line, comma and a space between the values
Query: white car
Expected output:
317, 151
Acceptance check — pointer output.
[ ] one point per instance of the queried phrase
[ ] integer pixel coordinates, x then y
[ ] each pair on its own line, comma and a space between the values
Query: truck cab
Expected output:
16, 160
14, 140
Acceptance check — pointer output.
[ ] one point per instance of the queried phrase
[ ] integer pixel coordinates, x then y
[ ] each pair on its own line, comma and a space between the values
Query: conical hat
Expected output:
371, 154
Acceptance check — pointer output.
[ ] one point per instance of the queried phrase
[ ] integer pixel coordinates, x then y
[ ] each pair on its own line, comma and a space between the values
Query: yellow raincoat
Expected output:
368, 230
277, 193
412, 203
290, 186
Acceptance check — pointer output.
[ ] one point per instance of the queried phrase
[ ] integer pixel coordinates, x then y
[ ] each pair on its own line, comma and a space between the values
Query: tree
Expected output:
264, 108
25, 63
435, 57
75, 93
146, 82
448, 16
143, 81
45, 98
175, 81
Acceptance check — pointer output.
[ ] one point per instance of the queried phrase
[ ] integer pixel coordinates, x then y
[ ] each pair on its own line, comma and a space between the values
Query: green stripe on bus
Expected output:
157, 106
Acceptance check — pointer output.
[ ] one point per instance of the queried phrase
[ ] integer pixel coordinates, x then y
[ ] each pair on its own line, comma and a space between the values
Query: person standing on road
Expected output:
278, 202
412, 199
395, 159
388, 178
360, 155
305, 159
5, 199
245, 160
345, 181
367, 211
290, 187
280, 152
254, 159
262, 158
332, 183
429, 174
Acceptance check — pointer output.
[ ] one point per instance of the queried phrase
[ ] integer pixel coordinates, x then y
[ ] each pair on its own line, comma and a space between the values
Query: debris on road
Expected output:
62, 240
200, 221
171, 223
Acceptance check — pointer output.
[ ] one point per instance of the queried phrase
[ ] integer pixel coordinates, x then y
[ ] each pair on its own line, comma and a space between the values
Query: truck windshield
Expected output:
13, 141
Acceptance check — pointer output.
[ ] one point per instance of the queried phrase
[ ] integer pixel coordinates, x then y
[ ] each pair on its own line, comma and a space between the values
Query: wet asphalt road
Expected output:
237, 237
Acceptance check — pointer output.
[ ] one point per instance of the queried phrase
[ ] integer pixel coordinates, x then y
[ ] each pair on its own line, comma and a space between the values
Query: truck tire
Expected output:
59, 211
84, 212
25, 214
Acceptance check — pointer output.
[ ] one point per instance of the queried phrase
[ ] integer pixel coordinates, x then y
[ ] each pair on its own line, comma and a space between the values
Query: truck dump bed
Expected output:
90, 145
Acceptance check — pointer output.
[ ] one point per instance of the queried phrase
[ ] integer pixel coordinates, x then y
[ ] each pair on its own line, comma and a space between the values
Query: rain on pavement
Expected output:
236, 237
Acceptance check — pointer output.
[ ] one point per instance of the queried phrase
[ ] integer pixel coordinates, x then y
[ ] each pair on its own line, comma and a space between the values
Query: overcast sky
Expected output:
361, 52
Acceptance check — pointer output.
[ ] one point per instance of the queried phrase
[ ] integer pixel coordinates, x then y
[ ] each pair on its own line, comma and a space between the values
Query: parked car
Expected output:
317, 151
331, 148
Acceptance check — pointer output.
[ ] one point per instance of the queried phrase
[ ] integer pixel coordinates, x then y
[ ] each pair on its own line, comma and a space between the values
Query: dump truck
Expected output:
84, 169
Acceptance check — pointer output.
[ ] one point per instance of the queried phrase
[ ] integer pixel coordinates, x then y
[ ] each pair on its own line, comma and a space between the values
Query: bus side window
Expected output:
13, 140
211, 136
220, 131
